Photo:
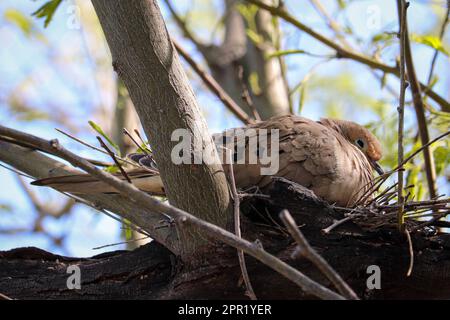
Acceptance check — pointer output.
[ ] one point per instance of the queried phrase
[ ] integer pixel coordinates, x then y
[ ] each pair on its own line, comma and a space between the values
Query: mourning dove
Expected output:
333, 158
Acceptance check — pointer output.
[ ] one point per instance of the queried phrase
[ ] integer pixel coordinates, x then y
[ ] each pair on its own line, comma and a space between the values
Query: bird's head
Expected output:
363, 139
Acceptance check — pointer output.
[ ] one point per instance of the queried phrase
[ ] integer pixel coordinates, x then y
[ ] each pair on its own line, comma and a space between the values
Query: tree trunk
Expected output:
146, 61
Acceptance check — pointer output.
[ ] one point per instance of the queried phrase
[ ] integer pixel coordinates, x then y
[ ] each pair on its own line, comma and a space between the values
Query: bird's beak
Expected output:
377, 167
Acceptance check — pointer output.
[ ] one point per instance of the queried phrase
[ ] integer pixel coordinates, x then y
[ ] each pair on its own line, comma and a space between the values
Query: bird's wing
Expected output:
311, 154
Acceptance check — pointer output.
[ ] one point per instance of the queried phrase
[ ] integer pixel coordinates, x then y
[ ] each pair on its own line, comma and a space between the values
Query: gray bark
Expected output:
237, 49
146, 61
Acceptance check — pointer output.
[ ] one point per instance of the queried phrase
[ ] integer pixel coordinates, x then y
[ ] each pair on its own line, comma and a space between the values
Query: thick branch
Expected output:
40, 166
182, 218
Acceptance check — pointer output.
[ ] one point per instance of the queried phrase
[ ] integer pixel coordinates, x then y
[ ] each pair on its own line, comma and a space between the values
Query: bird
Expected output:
332, 157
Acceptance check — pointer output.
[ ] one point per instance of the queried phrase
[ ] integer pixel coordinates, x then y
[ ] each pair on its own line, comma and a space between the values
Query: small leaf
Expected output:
19, 19
128, 230
280, 53
442, 158
430, 41
255, 37
254, 83
97, 128
112, 169
342, 4
47, 10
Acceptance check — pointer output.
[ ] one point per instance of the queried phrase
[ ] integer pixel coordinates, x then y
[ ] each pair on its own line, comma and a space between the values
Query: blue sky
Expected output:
65, 79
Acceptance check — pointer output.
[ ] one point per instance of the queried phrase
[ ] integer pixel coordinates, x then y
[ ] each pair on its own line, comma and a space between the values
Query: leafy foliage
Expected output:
47, 11
430, 41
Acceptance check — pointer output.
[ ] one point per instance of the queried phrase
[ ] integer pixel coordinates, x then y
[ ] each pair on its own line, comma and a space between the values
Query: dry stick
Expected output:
246, 94
308, 285
411, 253
125, 175
308, 252
401, 109
145, 144
4, 297
92, 147
212, 84
128, 134
423, 147
344, 53
119, 243
26, 145
237, 228
386, 175
420, 113
334, 25
436, 51
182, 25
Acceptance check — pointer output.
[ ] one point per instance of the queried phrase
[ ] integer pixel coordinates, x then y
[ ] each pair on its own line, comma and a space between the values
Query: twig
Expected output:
182, 25
308, 285
47, 209
237, 228
246, 94
145, 144
128, 134
215, 87
436, 51
411, 253
308, 252
401, 110
420, 112
4, 297
119, 243
125, 175
344, 53
337, 223
93, 147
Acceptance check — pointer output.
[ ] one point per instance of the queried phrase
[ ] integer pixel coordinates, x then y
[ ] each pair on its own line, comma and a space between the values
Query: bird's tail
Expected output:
145, 178
87, 184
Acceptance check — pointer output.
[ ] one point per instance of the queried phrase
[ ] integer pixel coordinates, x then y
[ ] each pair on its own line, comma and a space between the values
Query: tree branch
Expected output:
212, 84
420, 113
307, 251
181, 218
40, 166
402, 9
344, 53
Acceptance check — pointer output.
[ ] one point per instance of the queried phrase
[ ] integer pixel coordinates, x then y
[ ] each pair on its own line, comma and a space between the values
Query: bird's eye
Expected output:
360, 143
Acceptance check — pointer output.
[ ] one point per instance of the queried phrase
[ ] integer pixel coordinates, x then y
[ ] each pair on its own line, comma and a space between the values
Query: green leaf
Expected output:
128, 230
255, 37
19, 19
112, 169
97, 128
280, 53
442, 158
254, 83
46, 11
381, 37
430, 41
341, 4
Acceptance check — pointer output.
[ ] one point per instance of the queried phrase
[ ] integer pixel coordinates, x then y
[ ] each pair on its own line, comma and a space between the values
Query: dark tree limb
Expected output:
30, 273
